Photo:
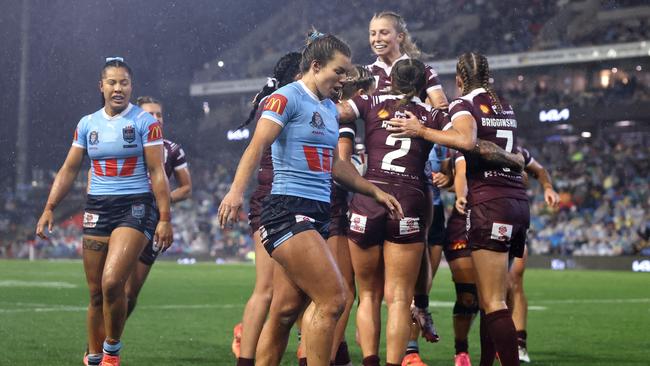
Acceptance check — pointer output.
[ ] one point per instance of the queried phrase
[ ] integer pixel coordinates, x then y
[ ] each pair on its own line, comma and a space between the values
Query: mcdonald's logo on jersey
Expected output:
155, 132
276, 103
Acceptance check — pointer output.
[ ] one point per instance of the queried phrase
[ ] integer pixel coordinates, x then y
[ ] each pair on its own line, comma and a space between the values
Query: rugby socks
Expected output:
371, 361
488, 353
342, 355
112, 349
502, 331
94, 359
461, 345
521, 338
245, 361
421, 301
412, 347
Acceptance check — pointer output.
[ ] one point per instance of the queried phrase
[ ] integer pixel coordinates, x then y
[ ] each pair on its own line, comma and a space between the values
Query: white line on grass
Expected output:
45, 284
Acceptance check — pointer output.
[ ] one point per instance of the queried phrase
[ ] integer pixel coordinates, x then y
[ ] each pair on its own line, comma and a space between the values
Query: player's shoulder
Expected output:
138, 114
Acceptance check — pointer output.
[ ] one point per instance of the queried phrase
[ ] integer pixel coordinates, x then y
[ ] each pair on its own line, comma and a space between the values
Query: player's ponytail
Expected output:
285, 72
408, 77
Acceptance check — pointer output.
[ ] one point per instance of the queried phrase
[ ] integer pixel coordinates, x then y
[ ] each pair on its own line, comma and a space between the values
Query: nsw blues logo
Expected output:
93, 138
138, 210
317, 121
128, 134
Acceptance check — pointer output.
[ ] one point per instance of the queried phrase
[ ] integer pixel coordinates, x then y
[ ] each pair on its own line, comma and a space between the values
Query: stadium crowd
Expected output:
602, 181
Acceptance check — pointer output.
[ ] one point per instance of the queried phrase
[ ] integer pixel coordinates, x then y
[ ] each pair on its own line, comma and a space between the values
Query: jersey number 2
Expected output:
387, 161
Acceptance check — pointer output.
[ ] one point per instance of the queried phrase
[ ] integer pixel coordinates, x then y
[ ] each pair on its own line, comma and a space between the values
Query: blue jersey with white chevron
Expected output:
433, 165
303, 152
115, 146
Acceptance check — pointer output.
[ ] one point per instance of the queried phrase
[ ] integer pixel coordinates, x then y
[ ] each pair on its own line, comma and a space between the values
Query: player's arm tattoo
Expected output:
95, 245
492, 153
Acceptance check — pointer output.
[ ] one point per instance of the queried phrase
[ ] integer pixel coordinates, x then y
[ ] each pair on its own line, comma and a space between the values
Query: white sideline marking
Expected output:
45, 284
42, 308
65, 308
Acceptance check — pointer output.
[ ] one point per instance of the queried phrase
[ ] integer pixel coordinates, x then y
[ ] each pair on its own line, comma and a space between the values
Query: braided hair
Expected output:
408, 77
284, 72
474, 71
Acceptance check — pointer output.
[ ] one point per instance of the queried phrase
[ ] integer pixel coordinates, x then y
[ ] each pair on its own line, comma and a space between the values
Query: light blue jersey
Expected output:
115, 146
433, 165
303, 152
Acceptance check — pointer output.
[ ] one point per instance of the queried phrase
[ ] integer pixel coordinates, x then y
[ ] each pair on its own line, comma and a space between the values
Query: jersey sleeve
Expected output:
433, 82
279, 107
458, 108
80, 132
439, 120
178, 157
361, 105
348, 130
528, 158
150, 130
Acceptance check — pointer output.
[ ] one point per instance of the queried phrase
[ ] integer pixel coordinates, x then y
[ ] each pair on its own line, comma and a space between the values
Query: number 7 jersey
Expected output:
391, 159
115, 146
487, 182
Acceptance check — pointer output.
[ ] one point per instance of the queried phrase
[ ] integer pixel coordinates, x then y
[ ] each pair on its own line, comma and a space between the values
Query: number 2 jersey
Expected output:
303, 152
484, 181
392, 159
115, 146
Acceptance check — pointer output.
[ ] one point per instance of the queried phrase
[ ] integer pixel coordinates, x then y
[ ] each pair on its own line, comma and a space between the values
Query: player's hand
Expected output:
440, 180
551, 197
390, 202
164, 236
46, 220
461, 204
406, 127
229, 208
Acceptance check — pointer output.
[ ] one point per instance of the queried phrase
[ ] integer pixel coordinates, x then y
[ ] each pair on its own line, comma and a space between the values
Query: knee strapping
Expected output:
466, 299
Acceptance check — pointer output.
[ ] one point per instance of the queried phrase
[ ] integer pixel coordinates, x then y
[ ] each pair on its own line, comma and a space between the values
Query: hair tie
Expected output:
272, 82
314, 35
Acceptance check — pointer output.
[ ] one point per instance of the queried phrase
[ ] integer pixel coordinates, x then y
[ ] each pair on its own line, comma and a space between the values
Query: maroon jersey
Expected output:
381, 71
265, 171
485, 182
174, 157
391, 158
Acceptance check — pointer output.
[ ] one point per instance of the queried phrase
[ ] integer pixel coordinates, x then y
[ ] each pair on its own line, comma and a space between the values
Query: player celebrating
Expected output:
301, 122
397, 166
247, 333
124, 143
390, 41
491, 236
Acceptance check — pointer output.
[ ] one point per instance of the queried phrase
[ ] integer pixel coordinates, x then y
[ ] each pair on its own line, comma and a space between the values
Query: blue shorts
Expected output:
104, 214
285, 216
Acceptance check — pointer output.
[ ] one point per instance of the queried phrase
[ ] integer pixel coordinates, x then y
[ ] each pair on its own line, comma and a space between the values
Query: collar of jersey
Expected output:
309, 92
119, 115
385, 66
414, 99
473, 93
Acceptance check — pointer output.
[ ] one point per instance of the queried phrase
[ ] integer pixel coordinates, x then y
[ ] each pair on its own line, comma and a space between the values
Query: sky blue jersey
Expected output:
433, 165
115, 146
303, 152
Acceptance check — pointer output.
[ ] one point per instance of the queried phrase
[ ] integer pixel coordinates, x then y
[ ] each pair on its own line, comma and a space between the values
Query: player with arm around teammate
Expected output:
122, 215
499, 212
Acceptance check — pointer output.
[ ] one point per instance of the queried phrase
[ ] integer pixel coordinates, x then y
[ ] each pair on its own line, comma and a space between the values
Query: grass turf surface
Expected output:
185, 316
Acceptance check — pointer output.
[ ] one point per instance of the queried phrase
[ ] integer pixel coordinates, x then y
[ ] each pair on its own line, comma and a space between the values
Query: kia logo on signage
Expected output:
238, 134
553, 115
641, 266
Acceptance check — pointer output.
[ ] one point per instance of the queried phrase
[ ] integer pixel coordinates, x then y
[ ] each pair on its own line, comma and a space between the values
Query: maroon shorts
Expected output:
456, 241
499, 225
370, 223
255, 206
339, 224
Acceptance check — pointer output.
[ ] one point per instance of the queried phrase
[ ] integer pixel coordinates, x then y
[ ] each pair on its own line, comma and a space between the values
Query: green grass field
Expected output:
186, 313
